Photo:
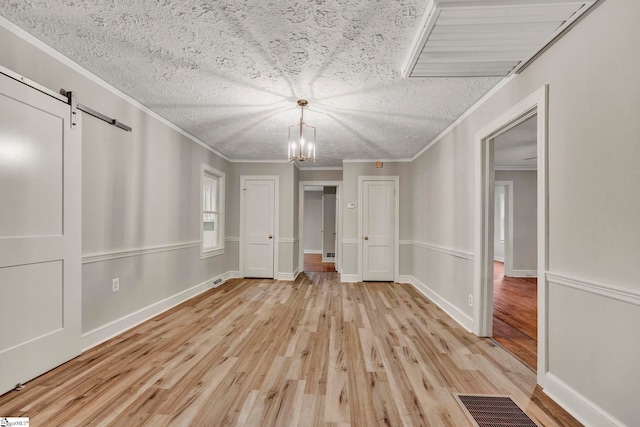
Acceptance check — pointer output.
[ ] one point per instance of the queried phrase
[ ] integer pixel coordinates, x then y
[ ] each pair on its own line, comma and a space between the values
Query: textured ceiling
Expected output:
230, 72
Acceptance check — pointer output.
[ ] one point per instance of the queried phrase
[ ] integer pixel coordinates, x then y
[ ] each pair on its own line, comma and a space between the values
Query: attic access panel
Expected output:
486, 38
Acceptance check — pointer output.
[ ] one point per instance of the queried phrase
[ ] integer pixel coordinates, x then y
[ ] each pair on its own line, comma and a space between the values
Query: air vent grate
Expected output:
494, 411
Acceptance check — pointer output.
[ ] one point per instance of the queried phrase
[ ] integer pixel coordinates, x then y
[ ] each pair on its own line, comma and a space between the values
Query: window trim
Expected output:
220, 176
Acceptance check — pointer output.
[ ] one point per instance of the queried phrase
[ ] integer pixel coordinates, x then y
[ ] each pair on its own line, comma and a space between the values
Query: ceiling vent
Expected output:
486, 38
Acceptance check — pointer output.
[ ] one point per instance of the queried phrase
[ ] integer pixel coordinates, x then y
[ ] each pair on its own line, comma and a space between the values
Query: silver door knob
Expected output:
366, 237
270, 236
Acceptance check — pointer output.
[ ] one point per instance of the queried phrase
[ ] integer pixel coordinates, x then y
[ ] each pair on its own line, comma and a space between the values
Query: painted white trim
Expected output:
508, 243
105, 332
523, 273
515, 168
232, 239
350, 241
535, 104
307, 168
376, 160
313, 251
349, 278
289, 277
108, 256
618, 293
276, 218
212, 172
456, 314
502, 83
396, 223
287, 239
405, 279
583, 409
257, 161
328, 259
11, 27
498, 258
441, 249
338, 185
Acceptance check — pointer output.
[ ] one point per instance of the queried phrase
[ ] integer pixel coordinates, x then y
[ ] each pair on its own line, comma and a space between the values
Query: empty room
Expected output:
326, 213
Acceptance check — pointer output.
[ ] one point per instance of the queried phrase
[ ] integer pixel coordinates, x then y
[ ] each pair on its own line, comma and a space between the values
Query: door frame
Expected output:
338, 185
535, 104
508, 242
276, 218
396, 222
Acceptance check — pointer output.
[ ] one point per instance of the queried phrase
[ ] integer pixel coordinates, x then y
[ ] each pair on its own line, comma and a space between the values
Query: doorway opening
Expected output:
514, 262
531, 110
320, 226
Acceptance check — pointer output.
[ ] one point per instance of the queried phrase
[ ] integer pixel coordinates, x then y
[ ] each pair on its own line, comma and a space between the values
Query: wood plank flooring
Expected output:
515, 314
313, 263
314, 352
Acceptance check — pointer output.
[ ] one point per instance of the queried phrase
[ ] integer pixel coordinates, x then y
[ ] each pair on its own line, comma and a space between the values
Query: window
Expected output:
212, 216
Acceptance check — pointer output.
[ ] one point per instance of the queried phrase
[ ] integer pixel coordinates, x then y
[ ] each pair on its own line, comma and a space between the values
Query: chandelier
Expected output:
302, 138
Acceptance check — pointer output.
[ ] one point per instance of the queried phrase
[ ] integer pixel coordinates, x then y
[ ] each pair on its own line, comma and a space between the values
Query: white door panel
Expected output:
378, 230
259, 227
40, 187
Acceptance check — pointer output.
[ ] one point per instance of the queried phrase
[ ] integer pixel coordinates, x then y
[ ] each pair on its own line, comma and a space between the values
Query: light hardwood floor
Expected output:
515, 314
313, 263
314, 352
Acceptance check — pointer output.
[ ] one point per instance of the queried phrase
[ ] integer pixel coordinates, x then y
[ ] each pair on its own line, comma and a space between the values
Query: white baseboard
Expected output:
405, 279
584, 410
498, 258
313, 251
458, 315
105, 332
349, 278
290, 277
524, 273
332, 259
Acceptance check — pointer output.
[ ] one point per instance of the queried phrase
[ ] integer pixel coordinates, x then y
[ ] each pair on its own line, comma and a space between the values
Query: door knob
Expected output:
366, 237
270, 236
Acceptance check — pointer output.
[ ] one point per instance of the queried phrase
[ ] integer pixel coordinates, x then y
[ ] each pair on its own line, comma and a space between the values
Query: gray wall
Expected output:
320, 175
140, 190
287, 209
525, 218
313, 221
351, 172
594, 206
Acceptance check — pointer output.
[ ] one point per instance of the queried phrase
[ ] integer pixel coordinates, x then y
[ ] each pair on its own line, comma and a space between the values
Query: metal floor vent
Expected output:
494, 411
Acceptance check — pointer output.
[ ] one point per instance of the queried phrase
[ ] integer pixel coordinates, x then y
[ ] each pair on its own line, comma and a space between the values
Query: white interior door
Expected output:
258, 222
378, 230
40, 190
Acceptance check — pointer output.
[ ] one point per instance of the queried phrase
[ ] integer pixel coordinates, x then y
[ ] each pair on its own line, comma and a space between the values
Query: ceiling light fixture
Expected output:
302, 138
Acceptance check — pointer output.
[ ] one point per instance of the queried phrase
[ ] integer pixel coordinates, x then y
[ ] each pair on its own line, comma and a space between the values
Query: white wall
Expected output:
593, 277
313, 221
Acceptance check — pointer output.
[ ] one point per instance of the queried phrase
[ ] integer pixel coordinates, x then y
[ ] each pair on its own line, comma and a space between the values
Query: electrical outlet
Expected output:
470, 300
115, 285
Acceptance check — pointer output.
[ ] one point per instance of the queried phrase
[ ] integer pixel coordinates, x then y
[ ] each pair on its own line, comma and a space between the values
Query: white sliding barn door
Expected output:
40, 190
378, 230
258, 226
